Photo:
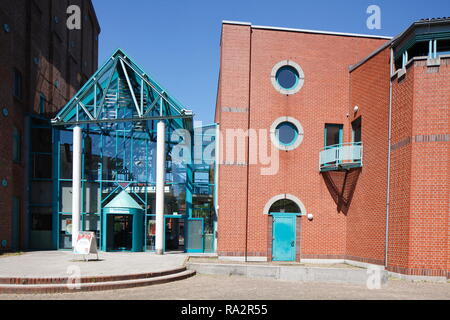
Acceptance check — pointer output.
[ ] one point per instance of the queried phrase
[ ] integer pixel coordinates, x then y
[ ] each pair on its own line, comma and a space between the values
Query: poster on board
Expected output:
86, 243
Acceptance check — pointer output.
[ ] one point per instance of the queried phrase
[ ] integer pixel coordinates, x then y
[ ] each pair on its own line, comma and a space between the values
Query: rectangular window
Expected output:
16, 145
356, 127
17, 87
333, 134
41, 103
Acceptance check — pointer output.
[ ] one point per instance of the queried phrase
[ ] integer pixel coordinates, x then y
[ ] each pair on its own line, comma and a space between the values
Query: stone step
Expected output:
87, 279
99, 286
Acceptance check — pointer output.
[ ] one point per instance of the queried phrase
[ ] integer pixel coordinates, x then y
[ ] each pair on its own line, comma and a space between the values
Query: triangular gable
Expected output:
121, 91
123, 200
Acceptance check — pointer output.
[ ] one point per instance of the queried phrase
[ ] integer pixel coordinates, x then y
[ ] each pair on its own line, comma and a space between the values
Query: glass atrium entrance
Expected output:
119, 112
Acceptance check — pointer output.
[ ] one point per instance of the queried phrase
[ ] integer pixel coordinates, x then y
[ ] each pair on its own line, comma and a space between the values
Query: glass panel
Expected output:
443, 47
286, 133
41, 140
287, 77
65, 154
92, 224
41, 192
201, 177
41, 219
121, 235
65, 232
285, 205
151, 233
195, 235
92, 159
333, 134
357, 130
209, 242
174, 234
41, 104
65, 197
175, 201
41, 166
92, 197
109, 158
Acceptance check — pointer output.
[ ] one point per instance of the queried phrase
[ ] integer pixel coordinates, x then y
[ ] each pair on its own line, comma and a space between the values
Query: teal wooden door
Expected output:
283, 246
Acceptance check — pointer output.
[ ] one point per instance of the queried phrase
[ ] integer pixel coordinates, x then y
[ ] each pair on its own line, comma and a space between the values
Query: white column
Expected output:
160, 178
76, 183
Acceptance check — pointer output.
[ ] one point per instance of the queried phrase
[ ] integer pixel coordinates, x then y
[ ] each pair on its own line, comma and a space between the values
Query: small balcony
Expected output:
341, 157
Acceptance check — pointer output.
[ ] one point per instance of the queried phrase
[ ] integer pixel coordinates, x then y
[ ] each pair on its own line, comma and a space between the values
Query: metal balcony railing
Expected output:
341, 156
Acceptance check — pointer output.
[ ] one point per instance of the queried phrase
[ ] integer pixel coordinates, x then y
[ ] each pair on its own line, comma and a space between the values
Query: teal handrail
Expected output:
341, 156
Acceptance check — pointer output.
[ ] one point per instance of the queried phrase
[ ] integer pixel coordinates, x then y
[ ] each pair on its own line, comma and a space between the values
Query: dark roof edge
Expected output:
422, 22
94, 13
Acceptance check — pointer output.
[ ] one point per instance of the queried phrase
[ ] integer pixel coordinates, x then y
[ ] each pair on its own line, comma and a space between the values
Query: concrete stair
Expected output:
91, 283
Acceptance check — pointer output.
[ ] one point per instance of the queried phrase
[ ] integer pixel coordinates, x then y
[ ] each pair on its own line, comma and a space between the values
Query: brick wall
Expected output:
419, 213
39, 46
366, 218
235, 71
430, 161
419, 198
323, 99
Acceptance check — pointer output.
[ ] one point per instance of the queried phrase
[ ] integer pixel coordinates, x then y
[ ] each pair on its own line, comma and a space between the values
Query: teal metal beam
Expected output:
120, 120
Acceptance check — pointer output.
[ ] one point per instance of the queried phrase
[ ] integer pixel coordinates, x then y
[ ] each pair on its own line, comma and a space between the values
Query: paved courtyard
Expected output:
56, 263
205, 287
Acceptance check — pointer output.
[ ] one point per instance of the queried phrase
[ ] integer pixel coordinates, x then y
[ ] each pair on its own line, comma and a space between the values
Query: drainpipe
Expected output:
216, 182
76, 184
248, 145
388, 188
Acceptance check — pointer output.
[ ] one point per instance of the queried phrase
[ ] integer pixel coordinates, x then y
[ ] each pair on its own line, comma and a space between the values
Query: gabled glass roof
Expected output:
120, 91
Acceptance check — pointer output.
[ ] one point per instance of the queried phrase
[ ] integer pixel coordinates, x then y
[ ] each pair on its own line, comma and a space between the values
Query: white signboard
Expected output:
86, 243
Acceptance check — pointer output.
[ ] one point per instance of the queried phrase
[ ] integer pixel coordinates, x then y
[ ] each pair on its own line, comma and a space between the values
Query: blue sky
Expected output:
177, 41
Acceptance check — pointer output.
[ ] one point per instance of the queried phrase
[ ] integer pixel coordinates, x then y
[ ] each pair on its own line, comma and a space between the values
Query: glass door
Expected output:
174, 235
121, 232
195, 233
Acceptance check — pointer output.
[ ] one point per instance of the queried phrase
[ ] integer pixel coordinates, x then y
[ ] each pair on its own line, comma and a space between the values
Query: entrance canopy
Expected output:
120, 91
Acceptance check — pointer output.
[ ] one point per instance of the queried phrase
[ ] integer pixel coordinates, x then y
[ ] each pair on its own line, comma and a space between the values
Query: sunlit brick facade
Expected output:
344, 81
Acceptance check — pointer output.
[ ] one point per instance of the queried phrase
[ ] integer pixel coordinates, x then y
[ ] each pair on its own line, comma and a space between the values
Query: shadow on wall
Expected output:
342, 185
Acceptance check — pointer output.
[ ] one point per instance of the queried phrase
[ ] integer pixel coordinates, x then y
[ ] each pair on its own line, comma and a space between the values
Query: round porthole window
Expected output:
286, 133
287, 77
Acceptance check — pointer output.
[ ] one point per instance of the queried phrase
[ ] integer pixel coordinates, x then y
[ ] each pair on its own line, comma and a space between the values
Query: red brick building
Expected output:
43, 65
361, 127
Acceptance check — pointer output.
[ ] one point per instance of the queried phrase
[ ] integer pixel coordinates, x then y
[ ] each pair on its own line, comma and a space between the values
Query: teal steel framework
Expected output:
118, 110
